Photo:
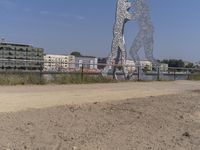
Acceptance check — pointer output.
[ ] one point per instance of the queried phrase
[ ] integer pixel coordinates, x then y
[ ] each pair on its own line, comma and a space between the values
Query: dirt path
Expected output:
170, 122
16, 98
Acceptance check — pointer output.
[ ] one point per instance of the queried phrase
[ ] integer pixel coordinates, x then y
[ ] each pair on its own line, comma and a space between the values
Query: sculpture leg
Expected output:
110, 60
123, 59
116, 62
148, 46
137, 44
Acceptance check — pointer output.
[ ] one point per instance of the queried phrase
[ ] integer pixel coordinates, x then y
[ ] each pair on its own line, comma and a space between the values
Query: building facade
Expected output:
130, 65
146, 64
59, 62
197, 64
164, 67
88, 62
20, 57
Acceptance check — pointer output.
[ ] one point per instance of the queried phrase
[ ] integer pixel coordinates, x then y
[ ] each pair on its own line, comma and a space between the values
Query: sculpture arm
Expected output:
128, 5
131, 16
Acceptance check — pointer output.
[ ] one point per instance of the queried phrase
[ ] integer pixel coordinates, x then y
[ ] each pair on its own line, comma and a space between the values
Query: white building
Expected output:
59, 62
130, 65
88, 62
197, 64
147, 64
164, 67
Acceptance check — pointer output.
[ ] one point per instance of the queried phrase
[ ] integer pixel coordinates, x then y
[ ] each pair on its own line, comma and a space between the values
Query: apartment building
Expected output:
88, 62
164, 67
59, 62
20, 57
146, 64
130, 65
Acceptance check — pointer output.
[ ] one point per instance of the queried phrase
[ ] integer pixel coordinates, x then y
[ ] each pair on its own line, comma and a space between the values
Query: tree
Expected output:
102, 61
174, 63
165, 61
189, 65
181, 64
76, 54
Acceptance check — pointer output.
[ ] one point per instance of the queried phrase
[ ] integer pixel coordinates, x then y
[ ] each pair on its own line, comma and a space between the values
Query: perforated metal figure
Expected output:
118, 50
145, 36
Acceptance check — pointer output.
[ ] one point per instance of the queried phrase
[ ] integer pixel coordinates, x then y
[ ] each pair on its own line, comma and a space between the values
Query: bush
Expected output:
24, 79
16, 79
65, 79
77, 79
194, 76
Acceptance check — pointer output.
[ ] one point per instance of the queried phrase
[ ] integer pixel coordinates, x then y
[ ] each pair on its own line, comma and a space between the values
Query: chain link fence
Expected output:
51, 70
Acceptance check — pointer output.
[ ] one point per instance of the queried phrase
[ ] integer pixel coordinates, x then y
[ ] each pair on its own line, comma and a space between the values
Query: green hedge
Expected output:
194, 76
78, 79
24, 79
16, 79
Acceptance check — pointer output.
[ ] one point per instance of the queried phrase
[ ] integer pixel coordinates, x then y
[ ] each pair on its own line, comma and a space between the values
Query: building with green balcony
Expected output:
20, 57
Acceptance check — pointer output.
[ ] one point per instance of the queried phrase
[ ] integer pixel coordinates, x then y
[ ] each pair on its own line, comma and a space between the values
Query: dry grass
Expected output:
195, 76
23, 79
26, 79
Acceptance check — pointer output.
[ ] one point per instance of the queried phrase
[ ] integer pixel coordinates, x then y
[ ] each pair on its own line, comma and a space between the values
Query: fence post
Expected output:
158, 74
174, 74
82, 68
188, 74
40, 73
138, 74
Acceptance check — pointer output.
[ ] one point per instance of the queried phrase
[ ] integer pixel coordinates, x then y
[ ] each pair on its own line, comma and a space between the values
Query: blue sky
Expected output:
63, 26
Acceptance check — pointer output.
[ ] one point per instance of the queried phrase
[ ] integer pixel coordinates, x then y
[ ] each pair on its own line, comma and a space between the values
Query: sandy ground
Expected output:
123, 116
16, 98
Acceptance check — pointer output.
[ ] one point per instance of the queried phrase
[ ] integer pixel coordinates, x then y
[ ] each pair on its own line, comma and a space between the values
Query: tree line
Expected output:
177, 63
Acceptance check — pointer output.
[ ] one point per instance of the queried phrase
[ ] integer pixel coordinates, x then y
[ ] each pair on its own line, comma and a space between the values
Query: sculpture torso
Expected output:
143, 17
122, 16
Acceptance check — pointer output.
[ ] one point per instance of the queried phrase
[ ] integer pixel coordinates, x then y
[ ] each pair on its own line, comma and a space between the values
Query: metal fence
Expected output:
17, 66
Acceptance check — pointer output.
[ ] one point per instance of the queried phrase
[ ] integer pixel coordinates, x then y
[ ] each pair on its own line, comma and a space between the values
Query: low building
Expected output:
20, 57
59, 62
146, 64
197, 64
89, 63
164, 67
149, 67
130, 65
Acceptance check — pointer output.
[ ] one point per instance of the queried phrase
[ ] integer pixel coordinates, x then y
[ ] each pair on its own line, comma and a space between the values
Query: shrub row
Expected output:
24, 79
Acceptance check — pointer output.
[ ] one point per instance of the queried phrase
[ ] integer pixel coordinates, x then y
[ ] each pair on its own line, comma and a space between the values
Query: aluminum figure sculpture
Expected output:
144, 37
118, 50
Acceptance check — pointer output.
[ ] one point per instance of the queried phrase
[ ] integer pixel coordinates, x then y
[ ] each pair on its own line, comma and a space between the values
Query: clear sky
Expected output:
62, 26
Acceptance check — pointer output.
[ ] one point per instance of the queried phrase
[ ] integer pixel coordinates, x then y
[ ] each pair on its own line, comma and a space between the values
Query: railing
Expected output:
19, 66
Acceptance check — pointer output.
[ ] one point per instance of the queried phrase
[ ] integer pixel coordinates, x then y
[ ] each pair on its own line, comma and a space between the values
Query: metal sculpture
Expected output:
118, 50
144, 37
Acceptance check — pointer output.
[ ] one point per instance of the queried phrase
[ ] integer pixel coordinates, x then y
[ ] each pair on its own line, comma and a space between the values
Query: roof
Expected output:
15, 44
86, 57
